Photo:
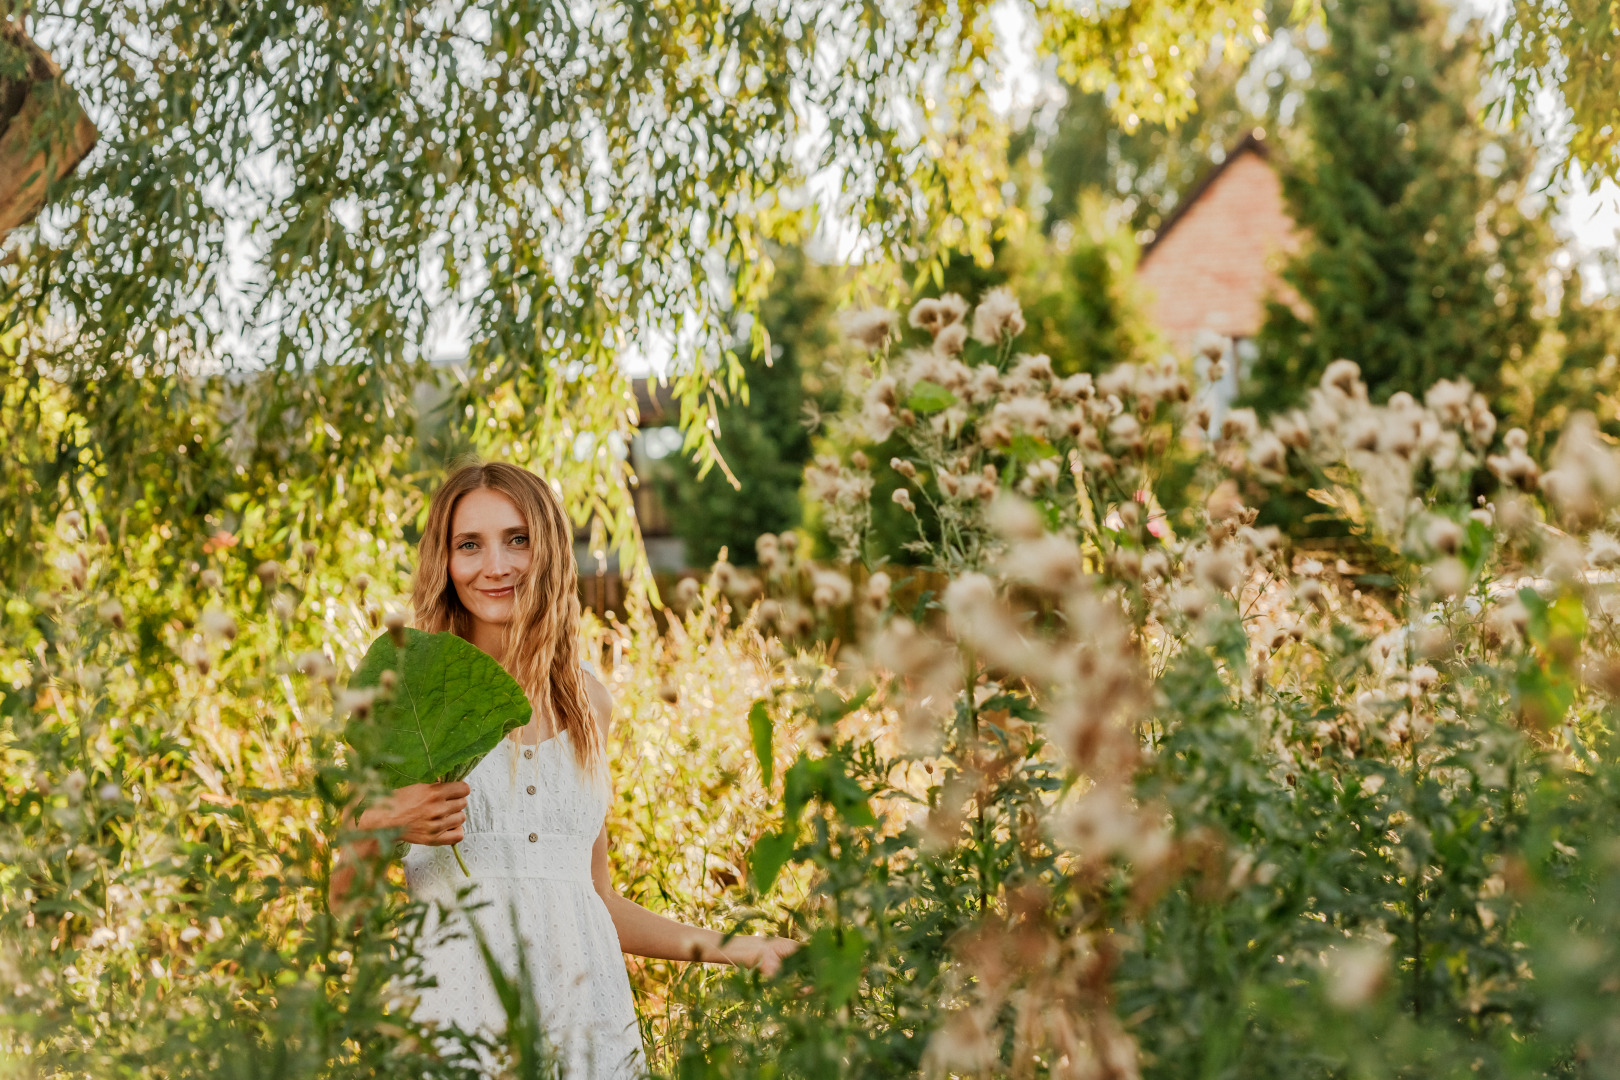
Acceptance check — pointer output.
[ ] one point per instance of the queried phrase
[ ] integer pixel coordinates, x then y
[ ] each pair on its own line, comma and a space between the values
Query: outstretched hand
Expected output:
763, 953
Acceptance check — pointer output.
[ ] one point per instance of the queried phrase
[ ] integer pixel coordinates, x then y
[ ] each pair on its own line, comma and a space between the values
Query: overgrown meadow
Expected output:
1178, 745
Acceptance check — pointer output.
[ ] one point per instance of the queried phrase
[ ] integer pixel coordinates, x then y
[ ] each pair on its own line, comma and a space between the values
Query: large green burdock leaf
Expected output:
450, 704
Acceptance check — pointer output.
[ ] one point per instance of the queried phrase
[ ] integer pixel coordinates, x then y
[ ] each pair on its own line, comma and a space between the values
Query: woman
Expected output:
496, 566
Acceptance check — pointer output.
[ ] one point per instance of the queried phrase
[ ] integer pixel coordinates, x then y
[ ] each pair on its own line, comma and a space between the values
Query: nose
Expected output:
499, 563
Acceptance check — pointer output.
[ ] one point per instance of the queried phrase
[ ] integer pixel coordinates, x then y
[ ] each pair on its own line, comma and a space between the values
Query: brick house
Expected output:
1215, 261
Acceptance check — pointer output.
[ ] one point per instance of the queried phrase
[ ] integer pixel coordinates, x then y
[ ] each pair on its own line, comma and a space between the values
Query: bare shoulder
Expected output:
601, 702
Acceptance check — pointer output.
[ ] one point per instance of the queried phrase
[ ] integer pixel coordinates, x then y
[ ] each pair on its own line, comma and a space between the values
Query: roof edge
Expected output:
1254, 140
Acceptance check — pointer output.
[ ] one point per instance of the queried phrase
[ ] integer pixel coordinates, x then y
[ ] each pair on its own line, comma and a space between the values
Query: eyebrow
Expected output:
459, 537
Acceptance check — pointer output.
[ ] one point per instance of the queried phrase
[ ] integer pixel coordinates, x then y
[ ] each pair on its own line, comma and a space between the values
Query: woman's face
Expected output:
490, 551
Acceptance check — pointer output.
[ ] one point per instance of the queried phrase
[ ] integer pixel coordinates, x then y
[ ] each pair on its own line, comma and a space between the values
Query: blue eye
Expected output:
520, 541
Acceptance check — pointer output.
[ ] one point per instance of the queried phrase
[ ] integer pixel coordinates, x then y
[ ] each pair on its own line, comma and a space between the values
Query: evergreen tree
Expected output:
1418, 262
1577, 366
764, 442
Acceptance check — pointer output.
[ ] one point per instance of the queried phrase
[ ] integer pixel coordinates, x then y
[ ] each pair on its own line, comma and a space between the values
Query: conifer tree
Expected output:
1418, 262
764, 441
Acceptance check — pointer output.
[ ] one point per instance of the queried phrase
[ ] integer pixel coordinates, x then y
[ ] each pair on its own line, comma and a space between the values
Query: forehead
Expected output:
485, 510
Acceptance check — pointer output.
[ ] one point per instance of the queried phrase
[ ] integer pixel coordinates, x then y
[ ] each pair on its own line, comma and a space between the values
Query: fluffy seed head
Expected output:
1345, 377
934, 315
876, 590
1443, 535
1049, 563
829, 589
1355, 973
997, 317
870, 328
218, 623
1449, 577
1015, 519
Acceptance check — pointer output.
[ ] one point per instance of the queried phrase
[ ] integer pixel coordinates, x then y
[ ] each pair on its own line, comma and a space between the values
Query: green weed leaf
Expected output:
772, 852
929, 397
452, 704
759, 729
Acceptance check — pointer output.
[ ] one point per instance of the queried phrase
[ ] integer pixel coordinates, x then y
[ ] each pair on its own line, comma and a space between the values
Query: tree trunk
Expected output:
43, 132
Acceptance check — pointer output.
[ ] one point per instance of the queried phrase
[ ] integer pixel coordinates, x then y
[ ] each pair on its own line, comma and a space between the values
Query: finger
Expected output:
449, 836
454, 789
449, 821
446, 809
769, 965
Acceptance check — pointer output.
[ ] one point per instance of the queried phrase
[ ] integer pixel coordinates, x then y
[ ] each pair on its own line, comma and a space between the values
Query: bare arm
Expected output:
645, 933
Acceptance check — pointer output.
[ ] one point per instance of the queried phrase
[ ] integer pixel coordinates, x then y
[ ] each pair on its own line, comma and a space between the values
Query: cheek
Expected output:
463, 569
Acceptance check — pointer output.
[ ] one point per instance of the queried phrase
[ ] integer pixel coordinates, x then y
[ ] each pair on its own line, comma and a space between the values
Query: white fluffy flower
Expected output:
1344, 376
1450, 400
1074, 388
1049, 563
951, 340
1031, 414
1015, 519
1268, 453
1602, 549
997, 317
829, 588
1036, 368
1239, 424
985, 384
1355, 974
934, 315
870, 328
1585, 478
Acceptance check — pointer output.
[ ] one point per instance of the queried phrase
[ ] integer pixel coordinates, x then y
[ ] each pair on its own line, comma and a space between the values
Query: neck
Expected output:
491, 637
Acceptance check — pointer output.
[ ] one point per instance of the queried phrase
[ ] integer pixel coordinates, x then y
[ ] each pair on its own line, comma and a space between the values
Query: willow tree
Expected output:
231, 305
1566, 54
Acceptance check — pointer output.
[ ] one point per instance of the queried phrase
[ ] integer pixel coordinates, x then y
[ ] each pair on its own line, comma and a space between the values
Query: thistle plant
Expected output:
1141, 784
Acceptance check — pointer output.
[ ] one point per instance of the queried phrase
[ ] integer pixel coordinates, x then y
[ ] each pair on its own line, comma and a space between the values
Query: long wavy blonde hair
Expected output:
541, 648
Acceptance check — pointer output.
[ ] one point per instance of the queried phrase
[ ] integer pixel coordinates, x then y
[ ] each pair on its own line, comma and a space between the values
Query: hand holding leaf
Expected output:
450, 703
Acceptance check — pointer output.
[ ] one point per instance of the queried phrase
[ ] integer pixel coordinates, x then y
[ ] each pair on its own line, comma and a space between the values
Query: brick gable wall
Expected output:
1216, 262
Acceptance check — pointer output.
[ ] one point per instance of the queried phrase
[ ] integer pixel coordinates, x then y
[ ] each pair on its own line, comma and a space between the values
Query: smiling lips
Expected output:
497, 594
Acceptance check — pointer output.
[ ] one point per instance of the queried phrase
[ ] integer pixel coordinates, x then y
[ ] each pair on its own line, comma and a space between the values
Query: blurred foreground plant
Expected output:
1136, 787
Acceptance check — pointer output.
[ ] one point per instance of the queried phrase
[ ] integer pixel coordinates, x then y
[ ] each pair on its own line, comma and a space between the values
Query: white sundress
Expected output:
532, 817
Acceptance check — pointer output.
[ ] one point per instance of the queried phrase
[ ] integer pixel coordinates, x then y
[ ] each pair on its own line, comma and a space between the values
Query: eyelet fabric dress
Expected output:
533, 816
